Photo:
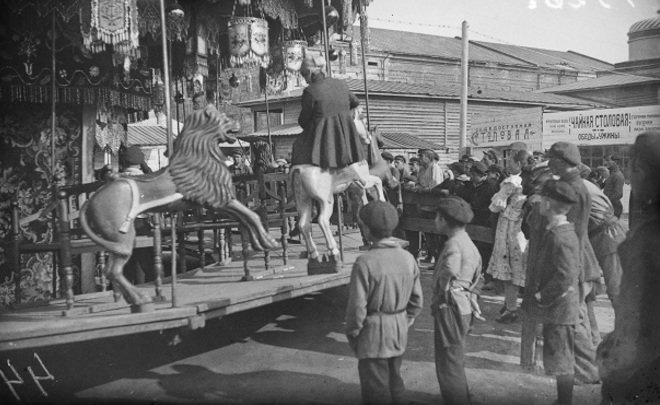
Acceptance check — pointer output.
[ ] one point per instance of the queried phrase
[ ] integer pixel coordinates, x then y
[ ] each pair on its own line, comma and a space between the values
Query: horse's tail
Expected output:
114, 247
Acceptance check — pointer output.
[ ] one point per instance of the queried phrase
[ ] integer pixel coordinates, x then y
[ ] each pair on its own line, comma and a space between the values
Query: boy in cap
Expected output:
556, 298
240, 166
456, 275
564, 161
385, 296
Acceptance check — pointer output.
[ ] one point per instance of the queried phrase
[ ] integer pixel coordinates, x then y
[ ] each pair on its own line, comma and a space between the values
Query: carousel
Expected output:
217, 242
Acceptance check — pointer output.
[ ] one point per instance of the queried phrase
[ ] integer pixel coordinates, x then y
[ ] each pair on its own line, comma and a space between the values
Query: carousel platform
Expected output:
201, 294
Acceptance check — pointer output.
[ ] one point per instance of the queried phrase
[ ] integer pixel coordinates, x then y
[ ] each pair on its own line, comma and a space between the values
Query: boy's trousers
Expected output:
380, 380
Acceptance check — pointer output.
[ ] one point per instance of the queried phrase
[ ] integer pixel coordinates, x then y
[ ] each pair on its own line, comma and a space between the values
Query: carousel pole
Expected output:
53, 101
328, 69
217, 80
170, 143
364, 41
270, 138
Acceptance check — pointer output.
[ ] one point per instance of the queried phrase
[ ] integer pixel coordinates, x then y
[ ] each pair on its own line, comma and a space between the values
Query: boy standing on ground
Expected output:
456, 275
385, 296
556, 295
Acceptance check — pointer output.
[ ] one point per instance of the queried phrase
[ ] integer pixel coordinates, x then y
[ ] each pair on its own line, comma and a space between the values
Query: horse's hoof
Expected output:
144, 307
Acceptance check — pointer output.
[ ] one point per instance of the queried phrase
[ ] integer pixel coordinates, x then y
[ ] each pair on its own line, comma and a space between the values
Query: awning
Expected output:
407, 141
152, 131
280, 130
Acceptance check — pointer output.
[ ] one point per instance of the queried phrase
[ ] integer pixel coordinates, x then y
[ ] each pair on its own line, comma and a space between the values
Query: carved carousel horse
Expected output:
312, 183
196, 176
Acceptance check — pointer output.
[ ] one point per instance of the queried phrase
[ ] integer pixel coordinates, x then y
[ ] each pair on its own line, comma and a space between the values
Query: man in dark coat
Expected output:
613, 187
330, 138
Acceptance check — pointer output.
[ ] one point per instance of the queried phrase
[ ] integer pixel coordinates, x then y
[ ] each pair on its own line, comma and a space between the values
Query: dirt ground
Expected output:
289, 352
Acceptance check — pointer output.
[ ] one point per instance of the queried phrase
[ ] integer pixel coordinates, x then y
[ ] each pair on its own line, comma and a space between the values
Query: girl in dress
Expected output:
507, 263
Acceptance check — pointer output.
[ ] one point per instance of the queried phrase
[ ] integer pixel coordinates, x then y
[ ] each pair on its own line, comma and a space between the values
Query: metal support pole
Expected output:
464, 91
328, 69
170, 143
363, 45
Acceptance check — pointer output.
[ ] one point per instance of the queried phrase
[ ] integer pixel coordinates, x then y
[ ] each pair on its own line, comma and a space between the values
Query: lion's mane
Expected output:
197, 164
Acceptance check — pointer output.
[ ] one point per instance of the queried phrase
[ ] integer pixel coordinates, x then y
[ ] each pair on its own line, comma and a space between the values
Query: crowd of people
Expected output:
558, 242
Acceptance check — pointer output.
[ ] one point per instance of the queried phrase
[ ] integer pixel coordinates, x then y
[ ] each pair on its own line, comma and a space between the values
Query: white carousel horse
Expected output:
312, 183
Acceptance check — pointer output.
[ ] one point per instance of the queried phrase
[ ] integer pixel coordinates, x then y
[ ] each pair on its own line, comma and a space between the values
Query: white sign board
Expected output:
616, 126
503, 129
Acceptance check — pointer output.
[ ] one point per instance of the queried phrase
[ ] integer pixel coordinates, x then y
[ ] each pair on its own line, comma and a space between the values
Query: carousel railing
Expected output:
411, 220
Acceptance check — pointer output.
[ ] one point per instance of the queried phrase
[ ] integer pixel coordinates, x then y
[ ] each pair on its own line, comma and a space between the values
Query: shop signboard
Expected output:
504, 128
615, 126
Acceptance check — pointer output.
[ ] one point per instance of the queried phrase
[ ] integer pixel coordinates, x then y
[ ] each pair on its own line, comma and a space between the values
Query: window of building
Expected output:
261, 119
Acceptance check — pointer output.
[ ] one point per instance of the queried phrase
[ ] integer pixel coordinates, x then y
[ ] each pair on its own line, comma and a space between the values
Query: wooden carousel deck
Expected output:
201, 294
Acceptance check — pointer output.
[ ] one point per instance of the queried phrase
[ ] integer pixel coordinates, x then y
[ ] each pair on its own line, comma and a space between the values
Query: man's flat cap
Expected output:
479, 167
387, 156
455, 208
566, 151
495, 169
380, 216
559, 190
133, 155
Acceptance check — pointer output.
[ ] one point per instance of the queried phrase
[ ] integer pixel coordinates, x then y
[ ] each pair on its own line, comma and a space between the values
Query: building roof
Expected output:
406, 141
610, 80
447, 91
648, 24
563, 60
412, 43
147, 135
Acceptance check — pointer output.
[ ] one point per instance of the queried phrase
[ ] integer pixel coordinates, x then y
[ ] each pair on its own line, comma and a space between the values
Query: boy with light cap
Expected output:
457, 273
385, 296
556, 295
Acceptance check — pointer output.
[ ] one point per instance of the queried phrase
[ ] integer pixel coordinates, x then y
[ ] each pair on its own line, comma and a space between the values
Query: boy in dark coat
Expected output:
385, 296
564, 162
555, 289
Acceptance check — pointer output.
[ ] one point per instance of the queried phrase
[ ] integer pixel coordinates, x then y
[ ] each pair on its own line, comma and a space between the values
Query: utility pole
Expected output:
464, 90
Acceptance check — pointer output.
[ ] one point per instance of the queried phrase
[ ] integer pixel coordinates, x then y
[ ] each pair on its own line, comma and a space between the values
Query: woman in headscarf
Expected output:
330, 138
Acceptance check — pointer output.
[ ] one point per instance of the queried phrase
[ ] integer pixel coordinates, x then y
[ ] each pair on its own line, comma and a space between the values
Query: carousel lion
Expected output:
196, 176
